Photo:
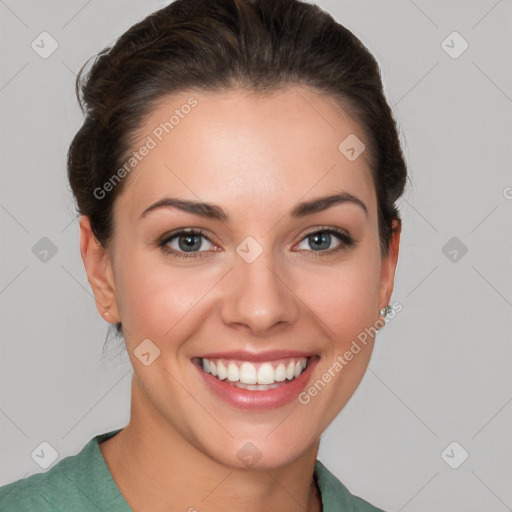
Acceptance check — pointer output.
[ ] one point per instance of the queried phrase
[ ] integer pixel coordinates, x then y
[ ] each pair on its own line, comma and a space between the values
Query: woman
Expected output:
236, 176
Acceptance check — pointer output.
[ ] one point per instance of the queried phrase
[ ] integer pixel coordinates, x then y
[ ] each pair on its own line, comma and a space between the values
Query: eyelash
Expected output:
346, 240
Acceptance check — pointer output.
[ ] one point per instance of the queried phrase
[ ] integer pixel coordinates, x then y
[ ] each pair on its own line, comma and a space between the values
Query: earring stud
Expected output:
385, 311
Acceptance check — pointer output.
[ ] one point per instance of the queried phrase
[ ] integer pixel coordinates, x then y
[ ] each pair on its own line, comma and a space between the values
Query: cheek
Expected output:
154, 301
144, 291
157, 300
344, 297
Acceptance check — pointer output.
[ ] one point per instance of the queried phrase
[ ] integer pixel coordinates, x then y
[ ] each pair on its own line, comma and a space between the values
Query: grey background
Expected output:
440, 371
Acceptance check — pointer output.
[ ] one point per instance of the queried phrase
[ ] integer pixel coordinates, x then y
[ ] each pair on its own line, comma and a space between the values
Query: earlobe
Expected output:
98, 267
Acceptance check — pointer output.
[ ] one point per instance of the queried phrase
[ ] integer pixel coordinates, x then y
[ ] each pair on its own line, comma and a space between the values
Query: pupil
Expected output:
190, 243
324, 237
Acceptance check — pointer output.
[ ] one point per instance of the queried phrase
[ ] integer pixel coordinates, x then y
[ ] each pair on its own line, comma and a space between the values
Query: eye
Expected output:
321, 240
185, 243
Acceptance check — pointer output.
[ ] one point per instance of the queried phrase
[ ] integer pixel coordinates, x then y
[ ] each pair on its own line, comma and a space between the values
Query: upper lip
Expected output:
256, 357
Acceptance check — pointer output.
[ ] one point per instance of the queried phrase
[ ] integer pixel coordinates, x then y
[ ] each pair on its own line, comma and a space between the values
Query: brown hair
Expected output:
215, 45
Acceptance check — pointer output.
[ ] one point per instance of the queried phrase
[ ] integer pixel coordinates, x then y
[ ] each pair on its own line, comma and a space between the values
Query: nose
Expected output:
259, 297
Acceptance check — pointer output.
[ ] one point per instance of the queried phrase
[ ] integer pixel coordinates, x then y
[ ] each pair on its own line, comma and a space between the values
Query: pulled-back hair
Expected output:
216, 45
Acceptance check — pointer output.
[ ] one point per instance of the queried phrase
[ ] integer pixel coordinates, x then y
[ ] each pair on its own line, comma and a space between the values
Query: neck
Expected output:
155, 468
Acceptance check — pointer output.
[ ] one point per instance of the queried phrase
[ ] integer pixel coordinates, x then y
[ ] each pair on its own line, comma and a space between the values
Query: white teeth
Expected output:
290, 370
233, 373
266, 374
250, 377
221, 369
256, 387
248, 374
280, 373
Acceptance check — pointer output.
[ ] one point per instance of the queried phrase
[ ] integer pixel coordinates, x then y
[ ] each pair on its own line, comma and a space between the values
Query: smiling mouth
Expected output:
254, 376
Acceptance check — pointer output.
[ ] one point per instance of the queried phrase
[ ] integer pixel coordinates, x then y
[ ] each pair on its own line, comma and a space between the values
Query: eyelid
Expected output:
333, 229
195, 231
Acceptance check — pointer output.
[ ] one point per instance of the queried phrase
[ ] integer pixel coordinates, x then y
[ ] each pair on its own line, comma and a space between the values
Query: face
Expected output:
260, 283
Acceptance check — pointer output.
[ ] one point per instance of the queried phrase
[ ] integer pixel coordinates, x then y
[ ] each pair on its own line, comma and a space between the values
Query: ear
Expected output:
388, 266
98, 267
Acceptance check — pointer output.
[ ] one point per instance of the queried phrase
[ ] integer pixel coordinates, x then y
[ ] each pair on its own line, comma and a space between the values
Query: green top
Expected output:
83, 483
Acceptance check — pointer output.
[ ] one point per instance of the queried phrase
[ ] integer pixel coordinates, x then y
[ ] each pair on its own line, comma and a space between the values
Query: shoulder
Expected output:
71, 484
336, 497
41, 491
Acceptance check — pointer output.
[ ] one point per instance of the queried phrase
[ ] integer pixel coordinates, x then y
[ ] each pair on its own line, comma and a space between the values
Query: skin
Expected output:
256, 157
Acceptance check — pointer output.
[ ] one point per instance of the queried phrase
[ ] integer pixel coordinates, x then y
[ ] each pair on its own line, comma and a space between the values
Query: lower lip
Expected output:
258, 400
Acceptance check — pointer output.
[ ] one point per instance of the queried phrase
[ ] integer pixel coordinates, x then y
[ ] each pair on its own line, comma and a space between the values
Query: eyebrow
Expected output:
212, 211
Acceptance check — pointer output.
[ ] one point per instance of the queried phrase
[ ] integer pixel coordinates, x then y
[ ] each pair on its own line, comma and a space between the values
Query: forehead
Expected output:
245, 150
